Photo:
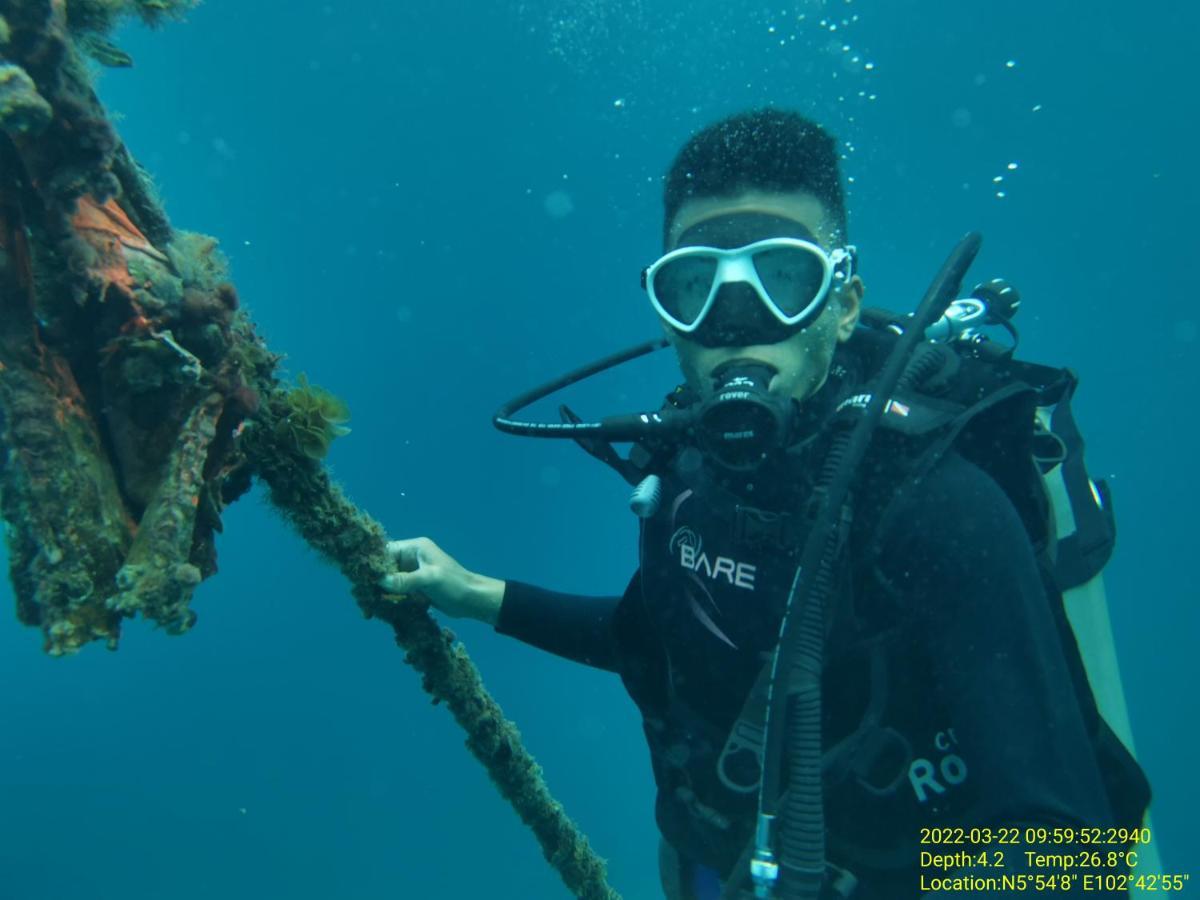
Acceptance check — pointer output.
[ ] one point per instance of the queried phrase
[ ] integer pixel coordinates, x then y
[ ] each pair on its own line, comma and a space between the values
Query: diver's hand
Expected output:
428, 570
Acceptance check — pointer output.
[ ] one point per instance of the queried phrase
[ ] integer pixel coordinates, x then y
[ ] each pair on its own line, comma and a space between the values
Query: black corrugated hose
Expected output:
795, 696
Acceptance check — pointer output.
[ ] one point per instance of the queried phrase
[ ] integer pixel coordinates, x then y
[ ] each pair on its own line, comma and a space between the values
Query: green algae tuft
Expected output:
315, 417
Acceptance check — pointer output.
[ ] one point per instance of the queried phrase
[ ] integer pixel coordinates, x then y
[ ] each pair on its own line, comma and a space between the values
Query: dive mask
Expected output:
745, 278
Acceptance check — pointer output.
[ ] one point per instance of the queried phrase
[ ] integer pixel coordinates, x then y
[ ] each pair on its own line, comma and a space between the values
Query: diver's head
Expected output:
766, 184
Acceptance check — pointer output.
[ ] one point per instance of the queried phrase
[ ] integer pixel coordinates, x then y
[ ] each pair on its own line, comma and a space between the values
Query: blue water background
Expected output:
429, 207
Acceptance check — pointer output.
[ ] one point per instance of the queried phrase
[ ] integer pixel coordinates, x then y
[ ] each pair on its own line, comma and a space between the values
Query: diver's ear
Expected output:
849, 306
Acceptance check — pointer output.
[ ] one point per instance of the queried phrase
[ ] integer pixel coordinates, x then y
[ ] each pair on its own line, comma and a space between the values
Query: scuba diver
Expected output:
846, 634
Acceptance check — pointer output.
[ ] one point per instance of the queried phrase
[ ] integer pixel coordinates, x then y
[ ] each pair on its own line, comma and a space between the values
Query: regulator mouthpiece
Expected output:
742, 423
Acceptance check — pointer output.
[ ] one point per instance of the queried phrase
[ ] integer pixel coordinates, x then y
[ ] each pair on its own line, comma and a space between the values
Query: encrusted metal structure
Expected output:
137, 402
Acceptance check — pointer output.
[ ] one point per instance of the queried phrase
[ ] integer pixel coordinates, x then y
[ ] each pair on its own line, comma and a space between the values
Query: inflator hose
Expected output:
615, 428
794, 701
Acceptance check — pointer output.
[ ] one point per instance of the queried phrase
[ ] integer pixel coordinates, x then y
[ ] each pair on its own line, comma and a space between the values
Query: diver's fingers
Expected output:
407, 582
408, 553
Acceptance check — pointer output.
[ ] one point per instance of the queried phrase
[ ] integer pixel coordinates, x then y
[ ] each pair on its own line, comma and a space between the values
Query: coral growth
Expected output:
198, 260
120, 398
22, 108
76, 145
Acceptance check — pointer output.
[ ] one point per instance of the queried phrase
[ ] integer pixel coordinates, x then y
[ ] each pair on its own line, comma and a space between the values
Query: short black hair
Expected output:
763, 149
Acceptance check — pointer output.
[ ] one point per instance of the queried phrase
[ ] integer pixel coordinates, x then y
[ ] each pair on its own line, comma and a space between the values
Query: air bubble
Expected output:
1000, 195
1012, 167
869, 66
1011, 64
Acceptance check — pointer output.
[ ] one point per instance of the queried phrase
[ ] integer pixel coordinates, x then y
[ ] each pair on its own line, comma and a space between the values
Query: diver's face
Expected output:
802, 359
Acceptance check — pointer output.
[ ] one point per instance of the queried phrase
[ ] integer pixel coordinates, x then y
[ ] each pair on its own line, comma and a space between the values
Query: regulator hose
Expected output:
794, 700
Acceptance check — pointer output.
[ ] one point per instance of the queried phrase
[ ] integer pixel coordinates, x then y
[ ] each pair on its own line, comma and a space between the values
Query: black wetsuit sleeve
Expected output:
579, 628
966, 566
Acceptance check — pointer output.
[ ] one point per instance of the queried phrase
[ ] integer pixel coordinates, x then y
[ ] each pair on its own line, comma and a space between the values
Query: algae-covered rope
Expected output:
347, 537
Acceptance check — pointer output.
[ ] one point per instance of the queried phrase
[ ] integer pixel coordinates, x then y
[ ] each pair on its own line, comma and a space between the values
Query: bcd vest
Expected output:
716, 565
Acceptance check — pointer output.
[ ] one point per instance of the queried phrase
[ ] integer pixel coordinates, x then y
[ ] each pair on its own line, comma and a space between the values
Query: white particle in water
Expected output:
869, 66
1012, 167
1011, 64
997, 179
1000, 195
